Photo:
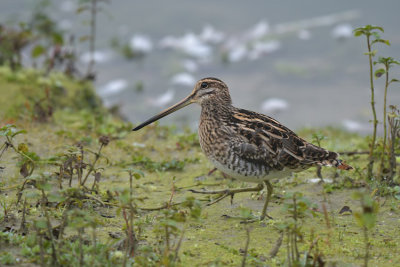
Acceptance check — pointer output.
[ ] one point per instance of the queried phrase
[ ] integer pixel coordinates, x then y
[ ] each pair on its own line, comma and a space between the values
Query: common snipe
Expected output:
246, 145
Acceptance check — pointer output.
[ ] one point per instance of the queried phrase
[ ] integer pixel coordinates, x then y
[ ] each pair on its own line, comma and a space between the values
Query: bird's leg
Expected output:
212, 171
228, 192
215, 169
269, 194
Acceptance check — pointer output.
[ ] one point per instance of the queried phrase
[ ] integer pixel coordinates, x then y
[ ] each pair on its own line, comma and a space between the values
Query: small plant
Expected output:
124, 48
317, 138
298, 207
387, 63
91, 6
27, 160
366, 219
371, 32
12, 43
128, 209
170, 229
394, 140
73, 163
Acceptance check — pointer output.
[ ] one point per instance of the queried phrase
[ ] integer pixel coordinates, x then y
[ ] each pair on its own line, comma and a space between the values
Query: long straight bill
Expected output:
186, 101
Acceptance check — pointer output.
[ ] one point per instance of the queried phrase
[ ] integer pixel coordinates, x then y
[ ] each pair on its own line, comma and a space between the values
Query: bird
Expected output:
246, 145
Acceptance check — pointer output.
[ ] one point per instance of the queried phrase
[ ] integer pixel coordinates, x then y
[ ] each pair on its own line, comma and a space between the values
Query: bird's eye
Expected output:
204, 85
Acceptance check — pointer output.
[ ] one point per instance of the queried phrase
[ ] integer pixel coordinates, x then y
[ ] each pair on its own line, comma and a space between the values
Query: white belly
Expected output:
252, 179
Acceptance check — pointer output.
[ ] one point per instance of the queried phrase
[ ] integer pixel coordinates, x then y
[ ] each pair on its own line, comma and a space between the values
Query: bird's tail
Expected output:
321, 156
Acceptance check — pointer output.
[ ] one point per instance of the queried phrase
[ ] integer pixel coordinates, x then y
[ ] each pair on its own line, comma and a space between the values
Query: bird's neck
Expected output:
216, 110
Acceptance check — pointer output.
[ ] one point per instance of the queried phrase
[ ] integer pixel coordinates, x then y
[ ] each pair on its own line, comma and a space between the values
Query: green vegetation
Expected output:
78, 188
372, 34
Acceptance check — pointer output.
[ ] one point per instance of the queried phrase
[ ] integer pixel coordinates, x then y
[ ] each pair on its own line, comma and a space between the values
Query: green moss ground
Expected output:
168, 158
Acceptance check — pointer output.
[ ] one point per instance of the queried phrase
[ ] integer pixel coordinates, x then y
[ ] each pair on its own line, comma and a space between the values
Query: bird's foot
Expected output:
223, 194
215, 169
249, 219
227, 192
257, 219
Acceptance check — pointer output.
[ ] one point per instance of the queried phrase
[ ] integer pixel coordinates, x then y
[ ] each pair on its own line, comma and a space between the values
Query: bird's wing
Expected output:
264, 140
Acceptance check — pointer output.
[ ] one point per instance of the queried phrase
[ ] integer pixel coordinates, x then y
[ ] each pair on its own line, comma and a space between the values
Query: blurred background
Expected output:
294, 60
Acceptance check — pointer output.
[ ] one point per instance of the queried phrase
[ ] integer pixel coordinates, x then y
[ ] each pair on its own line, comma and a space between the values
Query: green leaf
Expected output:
37, 51
378, 73
55, 197
372, 53
42, 224
19, 132
358, 32
376, 35
380, 41
393, 80
58, 38
376, 28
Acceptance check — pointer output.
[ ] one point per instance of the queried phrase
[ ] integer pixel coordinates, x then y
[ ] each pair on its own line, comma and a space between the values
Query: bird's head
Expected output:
206, 91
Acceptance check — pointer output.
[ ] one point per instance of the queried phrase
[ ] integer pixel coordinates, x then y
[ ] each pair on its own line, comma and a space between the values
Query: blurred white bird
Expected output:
356, 126
183, 79
304, 34
210, 35
98, 56
274, 105
190, 65
237, 53
261, 48
141, 43
163, 99
189, 44
257, 31
342, 31
113, 87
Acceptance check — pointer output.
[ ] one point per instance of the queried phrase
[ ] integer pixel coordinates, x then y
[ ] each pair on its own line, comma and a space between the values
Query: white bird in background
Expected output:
274, 105
236, 51
98, 56
258, 31
190, 44
183, 79
190, 65
356, 126
342, 31
304, 34
261, 48
210, 35
113, 87
141, 43
164, 99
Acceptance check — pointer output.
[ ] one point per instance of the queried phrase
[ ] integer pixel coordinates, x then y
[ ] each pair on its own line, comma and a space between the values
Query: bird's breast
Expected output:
217, 142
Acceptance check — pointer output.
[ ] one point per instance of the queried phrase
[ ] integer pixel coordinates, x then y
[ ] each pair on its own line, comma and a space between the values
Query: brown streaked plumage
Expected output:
246, 145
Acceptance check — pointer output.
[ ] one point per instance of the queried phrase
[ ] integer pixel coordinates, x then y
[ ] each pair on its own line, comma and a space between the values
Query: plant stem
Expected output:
296, 250
92, 37
375, 121
81, 262
92, 166
50, 230
366, 241
246, 248
394, 128
384, 122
